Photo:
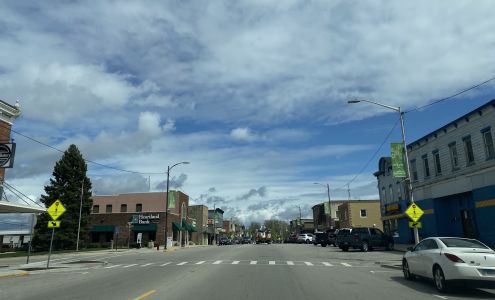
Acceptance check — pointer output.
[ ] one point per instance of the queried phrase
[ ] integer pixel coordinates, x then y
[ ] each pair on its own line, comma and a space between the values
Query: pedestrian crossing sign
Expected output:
414, 212
56, 210
415, 225
54, 224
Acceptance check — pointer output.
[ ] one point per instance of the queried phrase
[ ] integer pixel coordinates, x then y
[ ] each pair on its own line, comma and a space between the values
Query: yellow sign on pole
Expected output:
414, 212
415, 225
56, 210
54, 224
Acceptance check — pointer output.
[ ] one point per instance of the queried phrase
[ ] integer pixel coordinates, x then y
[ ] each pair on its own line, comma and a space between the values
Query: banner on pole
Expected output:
327, 208
171, 199
397, 154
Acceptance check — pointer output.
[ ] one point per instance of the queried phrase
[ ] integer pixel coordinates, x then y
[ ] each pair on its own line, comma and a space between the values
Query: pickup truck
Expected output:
364, 238
325, 238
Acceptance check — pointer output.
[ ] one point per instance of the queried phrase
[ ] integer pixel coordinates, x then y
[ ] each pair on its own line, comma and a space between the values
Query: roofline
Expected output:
491, 102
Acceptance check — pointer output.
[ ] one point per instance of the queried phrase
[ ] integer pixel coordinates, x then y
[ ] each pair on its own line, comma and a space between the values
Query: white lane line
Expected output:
253, 262
441, 297
217, 262
182, 263
346, 264
200, 262
236, 262
145, 265
167, 263
271, 262
308, 263
131, 265
114, 266
290, 263
327, 264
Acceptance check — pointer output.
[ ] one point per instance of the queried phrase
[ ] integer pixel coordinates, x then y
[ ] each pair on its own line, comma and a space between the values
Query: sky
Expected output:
252, 93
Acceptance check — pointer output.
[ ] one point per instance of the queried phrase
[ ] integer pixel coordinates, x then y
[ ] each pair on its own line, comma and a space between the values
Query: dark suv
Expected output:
364, 238
325, 238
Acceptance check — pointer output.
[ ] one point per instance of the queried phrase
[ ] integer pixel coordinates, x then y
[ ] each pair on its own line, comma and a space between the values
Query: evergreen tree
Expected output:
65, 185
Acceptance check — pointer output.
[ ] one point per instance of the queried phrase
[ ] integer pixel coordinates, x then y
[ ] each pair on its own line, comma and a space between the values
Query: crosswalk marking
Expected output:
308, 263
200, 262
217, 262
290, 263
131, 265
114, 266
182, 263
145, 265
236, 262
327, 264
346, 264
253, 262
271, 262
167, 263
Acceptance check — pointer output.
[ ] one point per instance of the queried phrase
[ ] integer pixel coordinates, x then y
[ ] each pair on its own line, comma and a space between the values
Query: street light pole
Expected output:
408, 171
80, 212
166, 198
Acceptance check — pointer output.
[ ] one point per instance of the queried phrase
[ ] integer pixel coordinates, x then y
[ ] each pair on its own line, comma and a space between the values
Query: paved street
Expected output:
228, 272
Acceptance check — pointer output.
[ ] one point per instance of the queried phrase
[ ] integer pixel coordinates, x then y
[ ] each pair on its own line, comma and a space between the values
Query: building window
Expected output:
454, 157
391, 191
399, 191
139, 207
96, 209
363, 213
436, 161
468, 148
426, 166
109, 208
414, 170
488, 141
123, 208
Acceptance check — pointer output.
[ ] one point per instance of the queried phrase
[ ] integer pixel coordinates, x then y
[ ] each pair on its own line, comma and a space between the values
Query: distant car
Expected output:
292, 239
224, 241
450, 259
364, 238
304, 238
324, 238
246, 240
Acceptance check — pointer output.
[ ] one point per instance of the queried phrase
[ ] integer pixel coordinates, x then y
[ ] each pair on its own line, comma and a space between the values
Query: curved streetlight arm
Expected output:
183, 162
373, 102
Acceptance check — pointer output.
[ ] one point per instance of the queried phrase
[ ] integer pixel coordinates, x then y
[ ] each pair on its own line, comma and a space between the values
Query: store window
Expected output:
399, 191
139, 207
96, 209
123, 208
488, 141
109, 208
468, 149
363, 213
454, 157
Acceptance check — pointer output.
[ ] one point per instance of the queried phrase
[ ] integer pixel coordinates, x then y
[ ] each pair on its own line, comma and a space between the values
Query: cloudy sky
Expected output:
252, 93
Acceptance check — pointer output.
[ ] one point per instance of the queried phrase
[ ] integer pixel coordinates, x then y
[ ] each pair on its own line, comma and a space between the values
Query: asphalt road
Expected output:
230, 272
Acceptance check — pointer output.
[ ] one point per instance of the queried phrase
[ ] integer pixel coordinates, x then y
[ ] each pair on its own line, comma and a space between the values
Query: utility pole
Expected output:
166, 207
80, 212
348, 193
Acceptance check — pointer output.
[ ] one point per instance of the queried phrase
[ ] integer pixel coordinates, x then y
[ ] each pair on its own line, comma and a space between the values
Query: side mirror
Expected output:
410, 249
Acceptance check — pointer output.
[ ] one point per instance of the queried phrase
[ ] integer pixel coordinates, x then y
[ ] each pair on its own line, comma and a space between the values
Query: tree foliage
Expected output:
277, 228
68, 177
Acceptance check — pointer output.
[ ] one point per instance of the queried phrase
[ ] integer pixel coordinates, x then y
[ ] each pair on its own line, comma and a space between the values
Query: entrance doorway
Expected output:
468, 226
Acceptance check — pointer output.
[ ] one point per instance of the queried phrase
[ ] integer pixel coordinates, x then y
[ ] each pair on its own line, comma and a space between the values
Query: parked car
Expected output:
324, 238
292, 239
450, 259
304, 238
342, 232
364, 238
246, 240
224, 241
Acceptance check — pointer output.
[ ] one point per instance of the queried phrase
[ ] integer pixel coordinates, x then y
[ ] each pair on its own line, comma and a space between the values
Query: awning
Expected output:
176, 226
103, 228
144, 227
398, 216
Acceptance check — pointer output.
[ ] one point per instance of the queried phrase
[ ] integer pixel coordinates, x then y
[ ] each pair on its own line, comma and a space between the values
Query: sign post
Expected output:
55, 211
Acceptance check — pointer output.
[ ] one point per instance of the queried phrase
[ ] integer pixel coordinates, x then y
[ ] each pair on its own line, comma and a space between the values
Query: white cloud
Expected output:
243, 134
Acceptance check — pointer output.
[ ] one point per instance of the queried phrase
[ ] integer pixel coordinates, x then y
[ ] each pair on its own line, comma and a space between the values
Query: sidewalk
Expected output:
402, 247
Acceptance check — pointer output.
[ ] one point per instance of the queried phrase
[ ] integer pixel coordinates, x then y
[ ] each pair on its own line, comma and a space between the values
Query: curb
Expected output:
19, 274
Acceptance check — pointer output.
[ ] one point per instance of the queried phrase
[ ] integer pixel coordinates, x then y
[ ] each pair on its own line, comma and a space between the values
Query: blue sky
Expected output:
252, 93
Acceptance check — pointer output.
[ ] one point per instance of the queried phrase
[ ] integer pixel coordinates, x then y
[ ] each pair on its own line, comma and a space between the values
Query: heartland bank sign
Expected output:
145, 219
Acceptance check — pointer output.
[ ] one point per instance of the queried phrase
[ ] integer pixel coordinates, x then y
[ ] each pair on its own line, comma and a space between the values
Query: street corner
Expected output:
12, 274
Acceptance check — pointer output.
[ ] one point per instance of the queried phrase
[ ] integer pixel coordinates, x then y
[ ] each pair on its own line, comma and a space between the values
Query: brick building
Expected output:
199, 217
124, 217
360, 213
322, 220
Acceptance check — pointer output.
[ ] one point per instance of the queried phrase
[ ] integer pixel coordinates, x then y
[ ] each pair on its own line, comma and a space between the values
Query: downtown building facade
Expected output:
139, 218
324, 221
453, 178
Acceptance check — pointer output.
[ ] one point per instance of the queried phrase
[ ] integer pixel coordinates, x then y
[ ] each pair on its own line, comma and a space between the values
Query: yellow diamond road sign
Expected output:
54, 224
56, 210
414, 212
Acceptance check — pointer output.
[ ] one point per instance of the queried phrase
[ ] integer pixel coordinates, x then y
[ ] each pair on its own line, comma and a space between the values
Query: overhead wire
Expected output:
27, 197
13, 192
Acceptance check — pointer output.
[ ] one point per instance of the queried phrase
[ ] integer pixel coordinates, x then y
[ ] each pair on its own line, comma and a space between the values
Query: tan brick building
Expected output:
360, 213
199, 218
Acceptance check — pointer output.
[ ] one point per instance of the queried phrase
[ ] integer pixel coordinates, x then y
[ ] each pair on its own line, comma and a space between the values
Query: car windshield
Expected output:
462, 243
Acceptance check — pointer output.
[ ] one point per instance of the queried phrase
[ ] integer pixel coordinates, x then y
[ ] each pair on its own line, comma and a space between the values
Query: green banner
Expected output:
171, 199
216, 217
327, 208
397, 153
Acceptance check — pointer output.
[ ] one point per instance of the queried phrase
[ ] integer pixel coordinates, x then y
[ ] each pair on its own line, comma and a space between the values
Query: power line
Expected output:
87, 160
10, 186
452, 96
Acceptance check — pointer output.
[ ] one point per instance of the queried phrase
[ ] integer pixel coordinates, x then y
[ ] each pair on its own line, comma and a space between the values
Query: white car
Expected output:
448, 259
304, 238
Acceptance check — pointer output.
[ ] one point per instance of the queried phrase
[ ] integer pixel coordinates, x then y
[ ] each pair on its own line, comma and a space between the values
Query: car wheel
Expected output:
315, 244
406, 271
345, 249
365, 247
439, 279
323, 245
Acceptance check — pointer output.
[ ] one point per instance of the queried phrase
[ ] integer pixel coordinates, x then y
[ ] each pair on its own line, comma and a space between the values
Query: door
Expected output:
376, 237
426, 257
468, 227
414, 260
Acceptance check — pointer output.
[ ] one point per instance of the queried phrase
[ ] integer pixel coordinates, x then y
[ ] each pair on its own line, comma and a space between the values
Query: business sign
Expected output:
171, 199
397, 153
327, 208
145, 219
7, 154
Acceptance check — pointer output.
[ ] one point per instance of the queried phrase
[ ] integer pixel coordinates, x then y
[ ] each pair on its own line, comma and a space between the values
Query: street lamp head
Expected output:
353, 101
185, 162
